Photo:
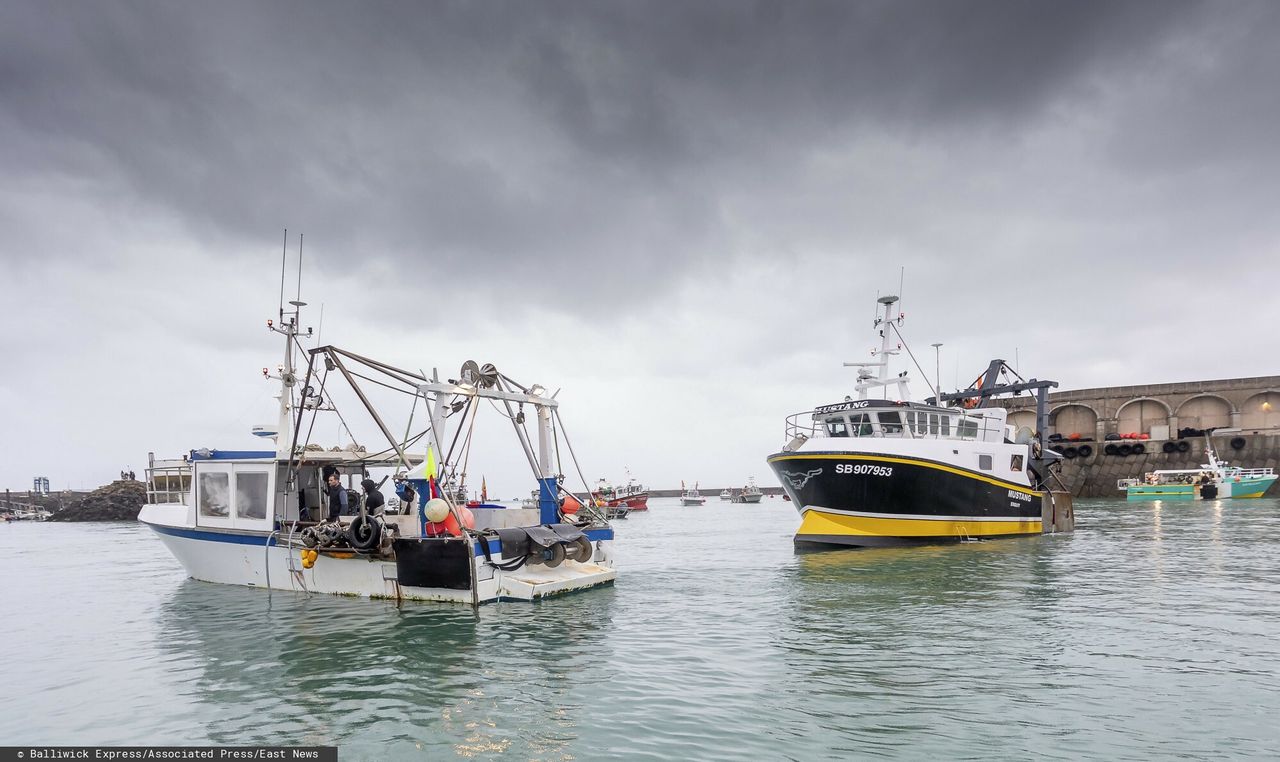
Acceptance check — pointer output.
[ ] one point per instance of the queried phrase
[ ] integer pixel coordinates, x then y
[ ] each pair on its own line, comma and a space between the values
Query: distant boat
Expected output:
691, 496
749, 494
1215, 480
726, 495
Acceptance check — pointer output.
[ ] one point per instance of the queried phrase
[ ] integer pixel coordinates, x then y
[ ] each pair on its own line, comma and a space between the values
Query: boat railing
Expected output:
168, 484
960, 427
1251, 473
1127, 483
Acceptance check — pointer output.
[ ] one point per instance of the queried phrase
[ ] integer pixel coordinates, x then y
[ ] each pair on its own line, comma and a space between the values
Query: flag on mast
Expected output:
484, 491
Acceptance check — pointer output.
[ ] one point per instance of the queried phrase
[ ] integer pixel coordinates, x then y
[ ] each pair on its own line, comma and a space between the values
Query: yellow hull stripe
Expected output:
912, 462
819, 523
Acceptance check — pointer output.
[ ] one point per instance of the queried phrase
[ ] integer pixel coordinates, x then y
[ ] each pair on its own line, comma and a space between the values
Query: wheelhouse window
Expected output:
984, 462
1015, 463
836, 427
215, 494
890, 422
860, 425
967, 428
251, 495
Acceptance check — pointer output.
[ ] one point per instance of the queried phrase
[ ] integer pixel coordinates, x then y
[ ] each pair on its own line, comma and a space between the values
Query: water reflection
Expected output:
416, 678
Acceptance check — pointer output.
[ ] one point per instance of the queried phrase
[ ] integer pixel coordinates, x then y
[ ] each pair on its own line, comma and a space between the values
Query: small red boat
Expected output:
632, 495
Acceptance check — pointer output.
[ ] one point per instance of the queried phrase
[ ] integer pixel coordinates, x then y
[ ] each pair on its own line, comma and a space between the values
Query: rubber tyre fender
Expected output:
1124, 450
1084, 451
1110, 449
1238, 443
1184, 446
364, 533
1069, 453
1139, 448
1169, 447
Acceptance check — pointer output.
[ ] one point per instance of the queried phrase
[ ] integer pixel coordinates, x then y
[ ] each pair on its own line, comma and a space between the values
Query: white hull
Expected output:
245, 559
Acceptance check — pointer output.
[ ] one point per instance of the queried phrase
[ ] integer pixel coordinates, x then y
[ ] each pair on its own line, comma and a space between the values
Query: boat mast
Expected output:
287, 326
866, 381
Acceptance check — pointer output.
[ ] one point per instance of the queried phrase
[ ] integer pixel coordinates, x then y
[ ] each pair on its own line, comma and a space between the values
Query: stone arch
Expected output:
1138, 415
1261, 411
1074, 418
1205, 411
1022, 418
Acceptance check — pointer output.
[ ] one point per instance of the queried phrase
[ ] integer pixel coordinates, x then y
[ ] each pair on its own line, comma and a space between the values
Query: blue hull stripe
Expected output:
495, 547
208, 536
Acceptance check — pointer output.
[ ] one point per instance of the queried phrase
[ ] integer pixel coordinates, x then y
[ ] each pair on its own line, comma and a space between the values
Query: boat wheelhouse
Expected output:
871, 472
259, 518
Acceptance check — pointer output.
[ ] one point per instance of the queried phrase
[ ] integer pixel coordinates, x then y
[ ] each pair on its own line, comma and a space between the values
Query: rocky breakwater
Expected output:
118, 501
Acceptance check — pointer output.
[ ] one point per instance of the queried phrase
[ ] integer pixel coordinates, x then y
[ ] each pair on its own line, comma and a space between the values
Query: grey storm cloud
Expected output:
508, 133
705, 197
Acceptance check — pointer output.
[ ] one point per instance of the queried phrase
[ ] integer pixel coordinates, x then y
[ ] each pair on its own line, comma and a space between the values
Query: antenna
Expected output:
902, 276
320, 328
284, 255
299, 297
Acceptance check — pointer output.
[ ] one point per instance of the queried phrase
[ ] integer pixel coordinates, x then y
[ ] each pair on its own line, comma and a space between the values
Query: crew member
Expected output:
337, 496
373, 500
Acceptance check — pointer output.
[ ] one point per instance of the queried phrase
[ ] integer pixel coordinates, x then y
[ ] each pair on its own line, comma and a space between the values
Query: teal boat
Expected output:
1214, 480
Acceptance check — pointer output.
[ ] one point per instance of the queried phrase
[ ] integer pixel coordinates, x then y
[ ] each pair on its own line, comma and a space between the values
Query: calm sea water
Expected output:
1150, 632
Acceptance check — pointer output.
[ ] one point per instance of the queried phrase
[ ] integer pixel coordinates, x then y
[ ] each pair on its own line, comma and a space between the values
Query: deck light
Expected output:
269, 322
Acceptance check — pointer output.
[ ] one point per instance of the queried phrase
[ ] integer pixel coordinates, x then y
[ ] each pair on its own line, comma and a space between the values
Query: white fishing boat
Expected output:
726, 495
749, 493
876, 472
258, 518
691, 496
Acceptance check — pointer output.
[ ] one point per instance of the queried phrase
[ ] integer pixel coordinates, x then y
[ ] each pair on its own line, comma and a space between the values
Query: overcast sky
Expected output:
678, 213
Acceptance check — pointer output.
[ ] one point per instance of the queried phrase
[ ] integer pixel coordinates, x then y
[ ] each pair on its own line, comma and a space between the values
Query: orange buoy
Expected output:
570, 506
468, 518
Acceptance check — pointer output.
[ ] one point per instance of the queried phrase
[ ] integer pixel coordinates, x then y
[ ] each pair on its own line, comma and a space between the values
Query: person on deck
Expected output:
373, 500
337, 496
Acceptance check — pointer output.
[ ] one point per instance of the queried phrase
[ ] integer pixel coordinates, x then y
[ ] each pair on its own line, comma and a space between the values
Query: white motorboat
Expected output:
691, 496
749, 493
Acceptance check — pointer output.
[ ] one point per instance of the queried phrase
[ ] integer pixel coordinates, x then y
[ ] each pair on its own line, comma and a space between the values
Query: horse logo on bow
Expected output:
798, 480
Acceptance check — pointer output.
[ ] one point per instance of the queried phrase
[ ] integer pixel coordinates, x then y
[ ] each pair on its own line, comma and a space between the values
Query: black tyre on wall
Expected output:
1238, 443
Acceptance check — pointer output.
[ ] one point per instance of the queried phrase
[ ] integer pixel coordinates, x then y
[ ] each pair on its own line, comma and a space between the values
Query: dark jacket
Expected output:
373, 500
337, 501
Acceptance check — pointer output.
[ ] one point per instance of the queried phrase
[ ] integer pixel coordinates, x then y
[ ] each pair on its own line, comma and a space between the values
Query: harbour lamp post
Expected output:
937, 370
